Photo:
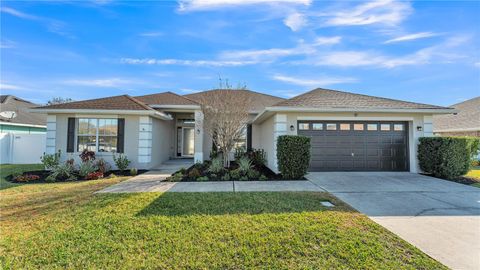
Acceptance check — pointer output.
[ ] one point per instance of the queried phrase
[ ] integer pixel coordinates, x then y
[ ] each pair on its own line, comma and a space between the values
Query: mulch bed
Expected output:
44, 174
263, 170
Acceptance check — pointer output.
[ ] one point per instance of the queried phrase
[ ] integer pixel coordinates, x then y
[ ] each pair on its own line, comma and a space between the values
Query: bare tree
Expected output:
58, 100
225, 115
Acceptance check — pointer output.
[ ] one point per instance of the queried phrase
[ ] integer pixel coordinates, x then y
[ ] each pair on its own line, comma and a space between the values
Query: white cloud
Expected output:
181, 62
295, 21
327, 40
314, 82
7, 44
107, 83
151, 34
194, 5
477, 64
412, 37
19, 14
388, 12
4, 86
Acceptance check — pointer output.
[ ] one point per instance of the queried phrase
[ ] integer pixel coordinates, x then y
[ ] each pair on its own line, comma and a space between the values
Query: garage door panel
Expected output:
382, 149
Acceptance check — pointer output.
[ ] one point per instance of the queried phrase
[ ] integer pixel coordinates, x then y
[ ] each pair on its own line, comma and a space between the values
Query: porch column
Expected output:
198, 156
144, 141
50, 145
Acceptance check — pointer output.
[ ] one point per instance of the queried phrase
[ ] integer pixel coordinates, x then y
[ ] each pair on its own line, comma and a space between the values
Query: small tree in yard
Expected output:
225, 115
121, 161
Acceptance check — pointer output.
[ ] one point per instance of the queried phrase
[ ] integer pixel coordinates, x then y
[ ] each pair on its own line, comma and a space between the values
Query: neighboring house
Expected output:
466, 122
349, 131
22, 133
23, 120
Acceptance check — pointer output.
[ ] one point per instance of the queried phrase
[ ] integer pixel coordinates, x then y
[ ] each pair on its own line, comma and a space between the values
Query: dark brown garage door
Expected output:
357, 146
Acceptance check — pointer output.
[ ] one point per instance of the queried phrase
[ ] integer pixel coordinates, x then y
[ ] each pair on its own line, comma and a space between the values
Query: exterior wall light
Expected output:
198, 131
292, 127
419, 128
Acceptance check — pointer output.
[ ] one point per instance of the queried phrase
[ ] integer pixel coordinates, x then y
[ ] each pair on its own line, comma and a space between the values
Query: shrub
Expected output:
263, 178
244, 165
133, 171
50, 161
243, 178
216, 165
240, 152
194, 173
26, 178
226, 177
446, 157
182, 171
94, 176
102, 165
121, 161
177, 177
61, 172
253, 174
258, 157
87, 155
293, 155
214, 176
203, 178
85, 168
235, 174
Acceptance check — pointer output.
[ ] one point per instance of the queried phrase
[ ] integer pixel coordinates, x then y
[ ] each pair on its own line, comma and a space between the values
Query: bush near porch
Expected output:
447, 157
248, 166
293, 155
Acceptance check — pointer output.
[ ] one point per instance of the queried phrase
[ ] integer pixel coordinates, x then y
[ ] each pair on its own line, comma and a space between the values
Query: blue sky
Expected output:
423, 51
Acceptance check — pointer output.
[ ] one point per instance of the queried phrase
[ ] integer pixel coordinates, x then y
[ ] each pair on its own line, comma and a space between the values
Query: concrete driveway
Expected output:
439, 217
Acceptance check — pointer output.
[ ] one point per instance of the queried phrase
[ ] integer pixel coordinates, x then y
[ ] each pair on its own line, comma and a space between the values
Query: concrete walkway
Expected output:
439, 217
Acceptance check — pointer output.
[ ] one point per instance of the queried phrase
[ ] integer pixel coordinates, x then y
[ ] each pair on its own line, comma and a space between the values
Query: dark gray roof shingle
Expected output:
166, 98
123, 102
326, 98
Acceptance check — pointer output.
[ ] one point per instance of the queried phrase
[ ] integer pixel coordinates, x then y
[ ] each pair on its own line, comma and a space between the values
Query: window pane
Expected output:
331, 126
86, 127
107, 127
303, 126
372, 127
398, 127
344, 126
385, 127
107, 143
358, 126
317, 126
86, 142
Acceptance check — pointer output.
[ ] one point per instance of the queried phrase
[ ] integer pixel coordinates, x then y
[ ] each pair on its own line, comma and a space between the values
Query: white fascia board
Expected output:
152, 113
21, 125
186, 107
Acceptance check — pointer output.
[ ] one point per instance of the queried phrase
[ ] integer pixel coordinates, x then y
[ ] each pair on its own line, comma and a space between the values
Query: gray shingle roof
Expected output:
259, 100
21, 107
123, 102
467, 118
326, 98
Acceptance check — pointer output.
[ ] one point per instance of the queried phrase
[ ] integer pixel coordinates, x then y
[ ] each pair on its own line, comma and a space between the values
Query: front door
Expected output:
188, 141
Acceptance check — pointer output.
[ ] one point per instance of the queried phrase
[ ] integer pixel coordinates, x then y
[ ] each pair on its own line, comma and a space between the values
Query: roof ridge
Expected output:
183, 97
145, 106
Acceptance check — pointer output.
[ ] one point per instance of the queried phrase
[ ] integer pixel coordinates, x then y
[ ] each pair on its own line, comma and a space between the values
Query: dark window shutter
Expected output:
120, 135
71, 135
249, 137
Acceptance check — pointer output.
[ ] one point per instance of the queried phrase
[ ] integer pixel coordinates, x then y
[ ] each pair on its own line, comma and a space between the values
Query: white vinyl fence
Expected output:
21, 148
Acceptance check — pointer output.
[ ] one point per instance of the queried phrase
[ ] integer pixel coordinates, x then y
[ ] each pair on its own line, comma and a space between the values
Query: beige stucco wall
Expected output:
274, 126
130, 146
162, 141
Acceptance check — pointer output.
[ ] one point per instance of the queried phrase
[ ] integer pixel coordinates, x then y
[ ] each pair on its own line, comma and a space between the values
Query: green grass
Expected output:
64, 225
474, 175
8, 169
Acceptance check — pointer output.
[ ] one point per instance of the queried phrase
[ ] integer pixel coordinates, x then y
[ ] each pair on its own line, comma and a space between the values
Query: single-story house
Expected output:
350, 132
466, 122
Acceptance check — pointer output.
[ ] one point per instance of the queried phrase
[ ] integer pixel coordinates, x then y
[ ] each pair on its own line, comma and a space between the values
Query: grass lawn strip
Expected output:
63, 225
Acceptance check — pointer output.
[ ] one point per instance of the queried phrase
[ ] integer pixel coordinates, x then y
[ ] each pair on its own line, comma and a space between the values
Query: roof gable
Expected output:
21, 107
326, 98
467, 117
259, 100
166, 98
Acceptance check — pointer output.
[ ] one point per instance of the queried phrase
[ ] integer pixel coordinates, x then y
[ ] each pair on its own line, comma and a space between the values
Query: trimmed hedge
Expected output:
446, 157
293, 156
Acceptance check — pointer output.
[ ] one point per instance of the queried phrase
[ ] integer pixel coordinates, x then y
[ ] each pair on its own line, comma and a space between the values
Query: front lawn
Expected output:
8, 169
64, 225
474, 175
